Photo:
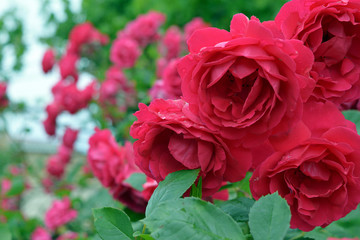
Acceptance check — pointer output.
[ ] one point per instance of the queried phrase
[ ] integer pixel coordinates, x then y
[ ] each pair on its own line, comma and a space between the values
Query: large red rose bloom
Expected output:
245, 83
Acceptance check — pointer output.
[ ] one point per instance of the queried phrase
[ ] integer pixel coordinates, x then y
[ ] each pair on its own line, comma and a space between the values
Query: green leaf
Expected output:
4, 232
112, 224
136, 180
196, 191
144, 236
192, 218
173, 187
353, 116
317, 234
238, 208
269, 218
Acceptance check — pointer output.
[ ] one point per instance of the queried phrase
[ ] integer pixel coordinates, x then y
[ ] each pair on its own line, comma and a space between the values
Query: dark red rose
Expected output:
171, 138
315, 167
331, 30
245, 83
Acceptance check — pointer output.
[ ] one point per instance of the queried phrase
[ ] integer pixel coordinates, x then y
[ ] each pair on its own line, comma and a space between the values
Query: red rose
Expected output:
315, 167
40, 234
117, 91
124, 52
48, 60
59, 214
4, 102
55, 166
103, 149
69, 137
116, 74
5, 186
50, 126
172, 80
158, 90
70, 98
144, 29
112, 165
330, 29
171, 43
195, 24
245, 83
85, 33
160, 66
64, 153
171, 138
67, 66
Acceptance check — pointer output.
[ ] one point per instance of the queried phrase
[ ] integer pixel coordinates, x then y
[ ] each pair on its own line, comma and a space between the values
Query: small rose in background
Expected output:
124, 52
4, 102
112, 165
59, 214
40, 234
48, 60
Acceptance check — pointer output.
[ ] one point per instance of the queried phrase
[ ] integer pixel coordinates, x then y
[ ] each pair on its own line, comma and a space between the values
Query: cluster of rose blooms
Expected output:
111, 163
67, 96
58, 214
264, 97
56, 164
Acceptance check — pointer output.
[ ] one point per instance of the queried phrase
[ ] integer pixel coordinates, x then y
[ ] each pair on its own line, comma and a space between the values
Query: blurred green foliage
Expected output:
11, 40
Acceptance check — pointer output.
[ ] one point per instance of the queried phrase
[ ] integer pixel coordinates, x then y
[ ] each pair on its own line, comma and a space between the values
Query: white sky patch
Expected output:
32, 86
